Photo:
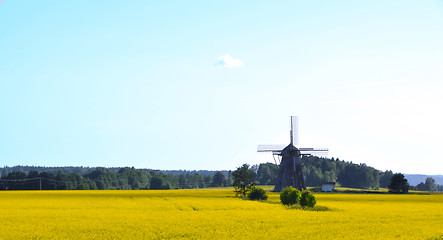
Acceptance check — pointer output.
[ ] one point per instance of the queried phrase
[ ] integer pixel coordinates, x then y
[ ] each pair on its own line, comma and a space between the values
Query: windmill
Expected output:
289, 158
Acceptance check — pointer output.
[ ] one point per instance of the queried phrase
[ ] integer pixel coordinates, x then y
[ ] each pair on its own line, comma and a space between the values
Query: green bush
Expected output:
307, 199
257, 194
290, 196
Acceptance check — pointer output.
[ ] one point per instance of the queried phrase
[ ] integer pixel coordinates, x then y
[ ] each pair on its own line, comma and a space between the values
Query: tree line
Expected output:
105, 178
428, 185
315, 169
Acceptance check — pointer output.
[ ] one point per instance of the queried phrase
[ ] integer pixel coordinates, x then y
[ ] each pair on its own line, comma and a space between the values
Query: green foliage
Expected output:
219, 179
257, 194
83, 186
358, 176
317, 170
307, 199
290, 196
267, 173
428, 185
243, 180
385, 178
399, 184
103, 178
158, 182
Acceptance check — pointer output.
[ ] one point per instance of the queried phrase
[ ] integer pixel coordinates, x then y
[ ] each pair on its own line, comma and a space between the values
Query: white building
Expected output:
327, 186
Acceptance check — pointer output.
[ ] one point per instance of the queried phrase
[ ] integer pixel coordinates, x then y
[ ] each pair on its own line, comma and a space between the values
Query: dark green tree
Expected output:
254, 169
74, 180
16, 175
219, 179
421, 187
83, 186
47, 184
33, 174
230, 179
157, 182
61, 179
385, 178
207, 181
182, 181
430, 184
315, 177
267, 173
399, 184
243, 180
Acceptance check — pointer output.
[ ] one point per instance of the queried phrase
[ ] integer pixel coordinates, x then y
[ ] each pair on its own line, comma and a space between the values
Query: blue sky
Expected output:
199, 84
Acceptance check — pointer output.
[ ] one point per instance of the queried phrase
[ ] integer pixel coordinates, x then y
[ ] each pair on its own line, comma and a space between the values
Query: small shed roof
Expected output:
328, 183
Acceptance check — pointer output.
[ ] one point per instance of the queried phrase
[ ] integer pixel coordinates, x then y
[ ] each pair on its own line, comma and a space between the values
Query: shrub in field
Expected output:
257, 194
290, 196
307, 199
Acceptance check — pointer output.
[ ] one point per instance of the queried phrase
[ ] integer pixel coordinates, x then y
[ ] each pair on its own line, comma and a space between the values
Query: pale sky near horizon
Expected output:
199, 84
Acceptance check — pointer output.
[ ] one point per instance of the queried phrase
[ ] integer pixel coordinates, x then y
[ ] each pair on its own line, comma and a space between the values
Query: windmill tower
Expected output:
289, 157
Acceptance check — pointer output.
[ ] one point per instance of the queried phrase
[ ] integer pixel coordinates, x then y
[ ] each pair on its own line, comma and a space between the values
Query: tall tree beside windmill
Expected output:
290, 169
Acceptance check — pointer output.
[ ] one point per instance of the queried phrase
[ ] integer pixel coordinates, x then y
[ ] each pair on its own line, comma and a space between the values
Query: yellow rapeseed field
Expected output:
213, 214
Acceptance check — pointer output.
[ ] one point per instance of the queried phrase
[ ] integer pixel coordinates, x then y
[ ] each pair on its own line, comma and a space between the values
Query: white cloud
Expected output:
228, 61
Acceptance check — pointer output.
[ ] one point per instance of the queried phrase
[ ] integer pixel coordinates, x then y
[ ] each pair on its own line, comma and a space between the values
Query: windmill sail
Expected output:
270, 147
294, 130
277, 148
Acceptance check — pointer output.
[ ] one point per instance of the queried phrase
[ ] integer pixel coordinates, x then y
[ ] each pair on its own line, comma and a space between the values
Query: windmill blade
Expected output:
313, 149
318, 152
270, 148
294, 130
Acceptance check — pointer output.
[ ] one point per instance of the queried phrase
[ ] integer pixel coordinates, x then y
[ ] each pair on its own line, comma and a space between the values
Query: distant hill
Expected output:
415, 179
